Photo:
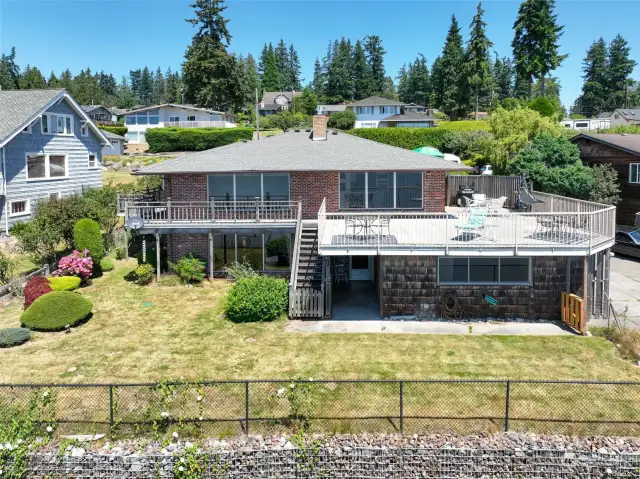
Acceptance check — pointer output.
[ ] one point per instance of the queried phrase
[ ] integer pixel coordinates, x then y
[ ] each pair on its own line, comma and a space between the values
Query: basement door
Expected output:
361, 268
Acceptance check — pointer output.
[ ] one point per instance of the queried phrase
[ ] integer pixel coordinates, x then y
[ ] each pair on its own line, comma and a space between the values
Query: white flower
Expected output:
182, 459
181, 469
200, 418
292, 385
164, 414
20, 441
45, 394
175, 435
8, 447
281, 391
199, 398
49, 429
310, 379
67, 326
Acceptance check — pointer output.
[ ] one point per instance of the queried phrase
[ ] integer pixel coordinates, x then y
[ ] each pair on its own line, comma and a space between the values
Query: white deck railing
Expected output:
200, 124
467, 230
177, 213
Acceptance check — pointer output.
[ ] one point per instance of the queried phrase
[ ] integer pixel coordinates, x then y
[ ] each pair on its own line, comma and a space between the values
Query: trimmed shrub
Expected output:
88, 237
121, 252
64, 283
34, 288
106, 264
408, 138
143, 274
55, 311
342, 120
189, 269
13, 337
76, 264
261, 298
116, 130
194, 139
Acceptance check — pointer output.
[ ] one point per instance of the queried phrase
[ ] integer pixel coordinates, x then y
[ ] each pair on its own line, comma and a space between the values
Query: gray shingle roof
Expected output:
629, 113
112, 136
18, 106
296, 151
376, 101
409, 116
186, 107
623, 141
270, 96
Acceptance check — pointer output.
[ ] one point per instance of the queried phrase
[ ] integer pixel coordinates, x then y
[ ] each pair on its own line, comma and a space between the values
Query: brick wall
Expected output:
311, 188
435, 191
179, 245
410, 288
187, 187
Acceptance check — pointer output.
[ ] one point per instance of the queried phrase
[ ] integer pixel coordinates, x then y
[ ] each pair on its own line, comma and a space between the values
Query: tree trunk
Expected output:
530, 86
542, 86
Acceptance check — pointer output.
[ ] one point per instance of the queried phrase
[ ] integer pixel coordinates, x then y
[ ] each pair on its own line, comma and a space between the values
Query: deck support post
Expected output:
585, 288
212, 258
158, 256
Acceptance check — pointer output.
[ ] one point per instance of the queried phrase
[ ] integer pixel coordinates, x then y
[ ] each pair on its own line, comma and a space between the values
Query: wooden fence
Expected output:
307, 303
492, 186
573, 312
18, 282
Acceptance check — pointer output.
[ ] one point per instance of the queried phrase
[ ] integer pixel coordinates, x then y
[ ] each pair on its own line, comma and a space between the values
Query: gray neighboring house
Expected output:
273, 102
100, 114
622, 116
117, 144
49, 147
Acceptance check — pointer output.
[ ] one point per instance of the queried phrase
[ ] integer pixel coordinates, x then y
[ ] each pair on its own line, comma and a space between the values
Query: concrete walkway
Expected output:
624, 289
427, 327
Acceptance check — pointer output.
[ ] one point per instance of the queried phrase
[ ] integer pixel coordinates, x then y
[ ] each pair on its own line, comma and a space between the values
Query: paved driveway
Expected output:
624, 288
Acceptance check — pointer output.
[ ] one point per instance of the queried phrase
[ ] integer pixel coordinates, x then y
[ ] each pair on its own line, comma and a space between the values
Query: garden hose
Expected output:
450, 307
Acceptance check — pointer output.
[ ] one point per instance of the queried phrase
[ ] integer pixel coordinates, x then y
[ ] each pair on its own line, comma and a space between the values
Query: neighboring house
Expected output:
408, 120
100, 114
622, 152
414, 108
48, 147
587, 124
622, 116
329, 110
369, 230
273, 102
370, 111
117, 144
139, 120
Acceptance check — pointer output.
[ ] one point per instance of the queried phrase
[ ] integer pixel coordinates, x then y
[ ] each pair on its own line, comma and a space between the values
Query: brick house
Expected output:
365, 227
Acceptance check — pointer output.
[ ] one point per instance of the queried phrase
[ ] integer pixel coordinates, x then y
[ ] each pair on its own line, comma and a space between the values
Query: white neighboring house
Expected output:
378, 112
586, 124
138, 121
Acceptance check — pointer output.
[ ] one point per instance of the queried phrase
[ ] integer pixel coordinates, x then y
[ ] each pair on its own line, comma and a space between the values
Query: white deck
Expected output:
453, 233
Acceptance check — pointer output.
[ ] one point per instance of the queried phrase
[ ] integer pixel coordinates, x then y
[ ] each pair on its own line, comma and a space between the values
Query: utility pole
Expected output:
257, 118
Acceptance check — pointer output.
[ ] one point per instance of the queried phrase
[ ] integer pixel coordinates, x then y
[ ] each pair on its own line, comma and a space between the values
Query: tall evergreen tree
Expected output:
66, 80
270, 76
360, 72
293, 69
9, 71
375, 52
52, 81
503, 75
209, 70
125, 98
317, 84
159, 92
86, 89
620, 67
174, 86
253, 83
145, 87
282, 64
339, 85
403, 84
452, 94
593, 99
535, 43
477, 64
31, 79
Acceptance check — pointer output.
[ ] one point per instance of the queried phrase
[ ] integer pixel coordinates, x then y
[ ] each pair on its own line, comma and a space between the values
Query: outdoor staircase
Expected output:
309, 262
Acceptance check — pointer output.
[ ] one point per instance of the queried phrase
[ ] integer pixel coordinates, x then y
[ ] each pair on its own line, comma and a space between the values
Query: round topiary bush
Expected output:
64, 283
87, 236
106, 264
34, 288
13, 337
55, 311
261, 298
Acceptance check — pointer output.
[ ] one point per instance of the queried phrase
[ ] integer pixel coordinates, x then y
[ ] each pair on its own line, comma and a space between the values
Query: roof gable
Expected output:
376, 101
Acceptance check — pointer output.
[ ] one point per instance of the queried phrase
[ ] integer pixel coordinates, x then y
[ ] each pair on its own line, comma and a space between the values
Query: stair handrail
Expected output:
293, 280
322, 218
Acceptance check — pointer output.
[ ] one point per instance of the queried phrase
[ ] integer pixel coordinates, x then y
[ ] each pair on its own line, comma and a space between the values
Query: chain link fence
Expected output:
226, 408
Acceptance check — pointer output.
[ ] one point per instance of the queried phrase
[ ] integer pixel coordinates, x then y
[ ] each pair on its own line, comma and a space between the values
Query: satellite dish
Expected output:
134, 222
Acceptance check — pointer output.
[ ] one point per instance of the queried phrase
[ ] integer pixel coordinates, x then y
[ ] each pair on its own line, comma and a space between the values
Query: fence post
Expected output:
401, 407
506, 409
246, 407
111, 421
257, 209
168, 210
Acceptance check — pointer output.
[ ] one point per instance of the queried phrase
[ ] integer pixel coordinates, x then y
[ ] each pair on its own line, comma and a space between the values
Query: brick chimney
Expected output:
320, 127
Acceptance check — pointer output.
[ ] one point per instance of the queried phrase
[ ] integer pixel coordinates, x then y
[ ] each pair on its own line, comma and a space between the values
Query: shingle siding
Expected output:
76, 147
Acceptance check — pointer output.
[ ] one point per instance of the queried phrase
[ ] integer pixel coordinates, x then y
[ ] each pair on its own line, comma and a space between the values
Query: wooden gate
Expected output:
573, 312
307, 303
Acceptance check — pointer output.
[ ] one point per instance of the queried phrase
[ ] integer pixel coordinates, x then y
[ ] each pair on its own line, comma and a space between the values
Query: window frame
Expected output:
65, 118
47, 176
84, 130
635, 181
27, 206
27, 130
395, 192
529, 281
95, 159
174, 119
191, 116
234, 175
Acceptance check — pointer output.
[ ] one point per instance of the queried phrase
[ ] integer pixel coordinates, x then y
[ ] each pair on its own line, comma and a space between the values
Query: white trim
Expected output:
47, 176
27, 206
84, 129
395, 192
67, 121
233, 175
637, 177
95, 157
529, 281
27, 130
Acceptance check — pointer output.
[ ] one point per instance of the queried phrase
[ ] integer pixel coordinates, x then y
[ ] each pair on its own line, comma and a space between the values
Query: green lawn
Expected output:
149, 333
119, 177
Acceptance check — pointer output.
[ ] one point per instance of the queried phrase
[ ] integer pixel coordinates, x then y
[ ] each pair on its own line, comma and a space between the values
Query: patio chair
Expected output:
496, 204
479, 199
353, 224
476, 223
381, 226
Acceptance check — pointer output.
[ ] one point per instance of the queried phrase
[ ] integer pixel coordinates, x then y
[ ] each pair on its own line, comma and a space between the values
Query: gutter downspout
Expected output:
4, 187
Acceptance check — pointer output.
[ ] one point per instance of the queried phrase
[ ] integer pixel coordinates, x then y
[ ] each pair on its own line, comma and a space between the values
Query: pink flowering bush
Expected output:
75, 264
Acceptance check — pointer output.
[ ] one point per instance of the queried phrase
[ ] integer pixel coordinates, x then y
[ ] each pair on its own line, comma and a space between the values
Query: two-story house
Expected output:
378, 112
48, 147
101, 114
273, 102
622, 116
139, 120
368, 226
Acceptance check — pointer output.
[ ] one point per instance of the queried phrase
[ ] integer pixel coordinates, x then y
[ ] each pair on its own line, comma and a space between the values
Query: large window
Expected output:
634, 173
388, 110
243, 187
151, 117
381, 190
42, 167
268, 251
484, 270
54, 124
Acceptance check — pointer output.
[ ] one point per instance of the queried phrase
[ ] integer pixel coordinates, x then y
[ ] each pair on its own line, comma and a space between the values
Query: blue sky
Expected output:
120, 35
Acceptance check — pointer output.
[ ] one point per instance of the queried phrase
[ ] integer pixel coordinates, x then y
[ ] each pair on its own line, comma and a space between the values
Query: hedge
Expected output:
13, 337
464, 125
260, 298
116, 130
194, 139
55, 311
64, 283
408, 138
87, 236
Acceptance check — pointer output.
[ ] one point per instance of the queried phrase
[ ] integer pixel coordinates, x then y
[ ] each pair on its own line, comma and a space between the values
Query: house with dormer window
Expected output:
49, 147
